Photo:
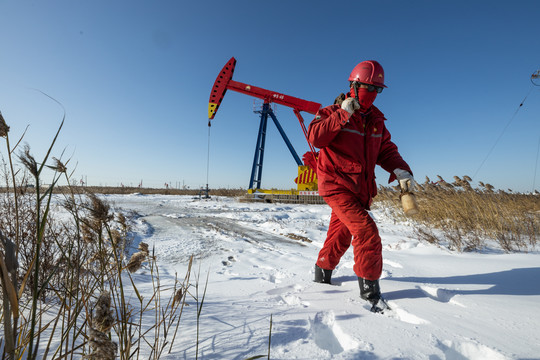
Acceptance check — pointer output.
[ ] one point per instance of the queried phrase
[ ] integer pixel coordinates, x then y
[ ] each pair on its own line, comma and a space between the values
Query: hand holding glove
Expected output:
406, 180
350, 105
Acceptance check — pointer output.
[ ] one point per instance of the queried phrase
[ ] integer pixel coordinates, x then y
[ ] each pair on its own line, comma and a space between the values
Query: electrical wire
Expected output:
502, 133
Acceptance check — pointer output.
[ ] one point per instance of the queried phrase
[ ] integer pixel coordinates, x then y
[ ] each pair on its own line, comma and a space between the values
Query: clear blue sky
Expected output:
135, 78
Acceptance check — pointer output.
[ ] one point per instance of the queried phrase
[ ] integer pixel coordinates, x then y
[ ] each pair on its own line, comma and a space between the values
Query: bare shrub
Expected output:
53, 269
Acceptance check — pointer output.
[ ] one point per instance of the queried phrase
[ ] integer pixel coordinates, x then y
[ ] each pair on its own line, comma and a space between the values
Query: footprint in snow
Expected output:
438, 294
286, 295
328, 336
293, 300
468, 350
274, 277
286, 289
229, 261
397, 313
405, 316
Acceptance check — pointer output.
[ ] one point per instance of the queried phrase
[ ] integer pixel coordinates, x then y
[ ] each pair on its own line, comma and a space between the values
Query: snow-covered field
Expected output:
446, 305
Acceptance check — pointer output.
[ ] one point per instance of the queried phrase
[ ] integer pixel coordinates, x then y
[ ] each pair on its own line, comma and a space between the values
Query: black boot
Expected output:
322, 275
369, 290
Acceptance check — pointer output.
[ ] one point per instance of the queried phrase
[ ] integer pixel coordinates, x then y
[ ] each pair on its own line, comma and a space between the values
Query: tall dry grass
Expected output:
67, 284
465, 218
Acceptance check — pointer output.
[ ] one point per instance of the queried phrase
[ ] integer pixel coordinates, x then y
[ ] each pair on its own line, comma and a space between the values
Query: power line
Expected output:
502, 133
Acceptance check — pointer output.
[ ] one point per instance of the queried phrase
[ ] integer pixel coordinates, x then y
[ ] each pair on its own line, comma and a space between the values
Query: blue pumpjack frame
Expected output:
256, 170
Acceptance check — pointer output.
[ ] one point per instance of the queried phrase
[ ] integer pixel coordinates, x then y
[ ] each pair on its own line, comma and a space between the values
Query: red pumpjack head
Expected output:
224, 81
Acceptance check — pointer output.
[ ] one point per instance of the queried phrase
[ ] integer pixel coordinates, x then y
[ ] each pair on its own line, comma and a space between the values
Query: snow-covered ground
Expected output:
446, 305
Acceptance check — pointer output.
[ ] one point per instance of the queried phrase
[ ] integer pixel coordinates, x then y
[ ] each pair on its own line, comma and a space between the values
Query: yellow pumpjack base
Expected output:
283, 196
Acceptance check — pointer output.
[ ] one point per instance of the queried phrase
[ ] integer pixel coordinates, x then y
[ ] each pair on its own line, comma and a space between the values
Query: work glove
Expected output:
406, 180
339, 99
350, 105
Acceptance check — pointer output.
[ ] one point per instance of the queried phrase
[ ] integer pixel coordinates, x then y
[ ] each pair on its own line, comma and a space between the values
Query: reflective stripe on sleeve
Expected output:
354, 131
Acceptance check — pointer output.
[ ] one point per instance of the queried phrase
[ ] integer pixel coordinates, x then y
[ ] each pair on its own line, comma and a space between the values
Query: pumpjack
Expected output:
306, 180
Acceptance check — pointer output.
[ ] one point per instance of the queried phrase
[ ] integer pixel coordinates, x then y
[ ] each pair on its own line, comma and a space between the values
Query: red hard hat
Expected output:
369, 72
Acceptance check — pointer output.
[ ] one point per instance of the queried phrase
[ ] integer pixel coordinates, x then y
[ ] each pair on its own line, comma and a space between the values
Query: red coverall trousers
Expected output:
350, 219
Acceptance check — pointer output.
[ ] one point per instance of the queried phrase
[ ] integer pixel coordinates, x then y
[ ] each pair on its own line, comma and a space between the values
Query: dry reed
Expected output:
4, 129
466, 218
57, 266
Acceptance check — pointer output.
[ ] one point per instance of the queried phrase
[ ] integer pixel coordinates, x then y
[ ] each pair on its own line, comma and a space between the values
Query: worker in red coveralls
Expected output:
352, 138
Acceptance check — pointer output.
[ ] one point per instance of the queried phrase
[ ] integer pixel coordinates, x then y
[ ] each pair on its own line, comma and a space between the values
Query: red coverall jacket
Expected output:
351, 146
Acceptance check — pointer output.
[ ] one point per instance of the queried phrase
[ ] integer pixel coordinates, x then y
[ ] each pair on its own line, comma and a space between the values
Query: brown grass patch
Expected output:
465, 217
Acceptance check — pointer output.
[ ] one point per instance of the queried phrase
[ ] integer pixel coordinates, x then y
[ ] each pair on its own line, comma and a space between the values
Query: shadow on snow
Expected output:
521, 281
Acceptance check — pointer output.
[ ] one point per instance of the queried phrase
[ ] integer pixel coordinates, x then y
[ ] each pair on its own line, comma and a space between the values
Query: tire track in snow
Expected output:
195, 235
